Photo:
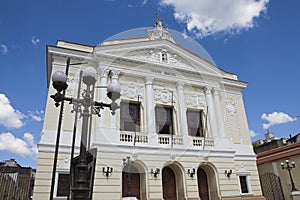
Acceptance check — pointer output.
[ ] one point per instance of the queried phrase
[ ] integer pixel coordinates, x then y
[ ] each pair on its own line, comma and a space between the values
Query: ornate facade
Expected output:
181, 122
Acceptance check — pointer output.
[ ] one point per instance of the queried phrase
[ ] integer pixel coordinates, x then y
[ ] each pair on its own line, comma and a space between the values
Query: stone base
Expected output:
295, 195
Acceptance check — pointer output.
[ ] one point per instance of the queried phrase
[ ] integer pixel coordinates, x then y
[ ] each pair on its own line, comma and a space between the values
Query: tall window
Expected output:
245, 186
130, 116
63, 185
194, 121
164, 120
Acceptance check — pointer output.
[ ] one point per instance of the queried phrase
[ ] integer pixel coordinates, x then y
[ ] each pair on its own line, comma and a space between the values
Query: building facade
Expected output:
181, 124
16, 182
277, 182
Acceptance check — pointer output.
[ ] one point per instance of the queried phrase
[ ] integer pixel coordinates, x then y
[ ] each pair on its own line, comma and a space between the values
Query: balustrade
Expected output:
162, 139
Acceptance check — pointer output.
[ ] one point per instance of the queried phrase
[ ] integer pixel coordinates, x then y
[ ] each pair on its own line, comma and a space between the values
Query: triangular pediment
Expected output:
151, 52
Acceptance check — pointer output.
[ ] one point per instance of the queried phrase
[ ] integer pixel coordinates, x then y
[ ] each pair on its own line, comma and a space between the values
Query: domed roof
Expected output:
159, 32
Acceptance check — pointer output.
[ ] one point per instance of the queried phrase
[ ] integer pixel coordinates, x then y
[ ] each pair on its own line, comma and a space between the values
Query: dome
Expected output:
179, 38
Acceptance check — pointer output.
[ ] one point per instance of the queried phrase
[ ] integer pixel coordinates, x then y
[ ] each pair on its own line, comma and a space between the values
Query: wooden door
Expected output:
169, 184
130, 182
202, 184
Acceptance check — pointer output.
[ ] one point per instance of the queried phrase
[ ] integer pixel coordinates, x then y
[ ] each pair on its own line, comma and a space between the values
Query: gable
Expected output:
151, 52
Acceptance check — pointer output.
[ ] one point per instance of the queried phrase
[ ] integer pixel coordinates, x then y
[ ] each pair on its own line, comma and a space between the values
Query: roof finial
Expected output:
158, 23
159, 31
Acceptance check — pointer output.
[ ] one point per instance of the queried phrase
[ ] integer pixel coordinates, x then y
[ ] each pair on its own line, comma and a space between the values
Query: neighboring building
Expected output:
181, 120
16, 182
275, 181
270, 142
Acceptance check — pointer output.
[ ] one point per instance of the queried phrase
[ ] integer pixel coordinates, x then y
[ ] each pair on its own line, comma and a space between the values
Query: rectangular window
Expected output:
243, 184
194, 121
164, 120
63, 186
130, 116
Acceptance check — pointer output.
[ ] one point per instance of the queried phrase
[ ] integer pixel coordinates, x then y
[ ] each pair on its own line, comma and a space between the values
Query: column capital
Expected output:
207, 90
149, 80
103, 72
180, 85
216, 90
115, 74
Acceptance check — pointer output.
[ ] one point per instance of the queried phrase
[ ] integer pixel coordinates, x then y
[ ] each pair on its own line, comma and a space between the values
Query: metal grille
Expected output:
271, 186
15, 186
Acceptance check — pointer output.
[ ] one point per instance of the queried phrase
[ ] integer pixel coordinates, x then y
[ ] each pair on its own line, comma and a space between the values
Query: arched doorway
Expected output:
131, 182
169, 184
202, 184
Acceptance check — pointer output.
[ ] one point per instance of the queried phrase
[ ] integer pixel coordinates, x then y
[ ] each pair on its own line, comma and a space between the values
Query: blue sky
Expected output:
258, 40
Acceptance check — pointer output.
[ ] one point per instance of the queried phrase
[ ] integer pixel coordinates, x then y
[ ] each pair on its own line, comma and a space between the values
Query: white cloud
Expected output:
3, 49
276, 118
144, 2
253, 134
9, 117
37, 115
35, 40
22, 147
204, 18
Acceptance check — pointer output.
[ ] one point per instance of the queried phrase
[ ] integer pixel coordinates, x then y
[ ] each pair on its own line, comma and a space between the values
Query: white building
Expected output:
180, 115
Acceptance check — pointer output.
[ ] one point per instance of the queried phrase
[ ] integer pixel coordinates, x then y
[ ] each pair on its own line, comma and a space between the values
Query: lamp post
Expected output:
80, 190
289, 168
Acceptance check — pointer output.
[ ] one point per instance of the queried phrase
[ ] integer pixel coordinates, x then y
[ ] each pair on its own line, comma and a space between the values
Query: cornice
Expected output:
279, 153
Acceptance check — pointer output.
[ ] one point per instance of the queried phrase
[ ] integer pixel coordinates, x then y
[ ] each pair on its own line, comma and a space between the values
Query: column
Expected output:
182, 109
102, 96
150, 113
113, 118
211, 112
218, 111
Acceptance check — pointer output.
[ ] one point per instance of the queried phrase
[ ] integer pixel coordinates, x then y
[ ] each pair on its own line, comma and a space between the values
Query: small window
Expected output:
195, 125
130, 116
244, 184
63, 186
164, 57
164, 120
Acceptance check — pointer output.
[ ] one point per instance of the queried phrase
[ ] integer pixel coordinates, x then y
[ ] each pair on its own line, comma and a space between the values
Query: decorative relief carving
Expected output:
163, 95
154, 55
132, 91
160, 32
72, 87
230, 107
178, 61
195, 100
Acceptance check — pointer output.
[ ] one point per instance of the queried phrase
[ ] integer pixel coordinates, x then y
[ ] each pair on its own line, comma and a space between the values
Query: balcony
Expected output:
164, 140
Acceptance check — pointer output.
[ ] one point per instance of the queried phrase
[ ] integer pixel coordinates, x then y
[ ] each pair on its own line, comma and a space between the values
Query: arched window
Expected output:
164, 57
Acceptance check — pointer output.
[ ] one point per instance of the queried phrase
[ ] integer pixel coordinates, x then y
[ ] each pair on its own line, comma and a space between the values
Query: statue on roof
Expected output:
159, 31
158, 23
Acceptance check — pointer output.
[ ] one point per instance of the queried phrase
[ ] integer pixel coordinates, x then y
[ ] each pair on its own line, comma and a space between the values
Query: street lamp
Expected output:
289, 168
80, 189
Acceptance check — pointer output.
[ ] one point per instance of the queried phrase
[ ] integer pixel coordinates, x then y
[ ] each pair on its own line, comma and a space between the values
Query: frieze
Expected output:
163, 95
195, 100
131, 91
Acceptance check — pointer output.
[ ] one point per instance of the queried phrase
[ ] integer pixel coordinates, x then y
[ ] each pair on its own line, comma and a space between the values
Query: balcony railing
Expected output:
164, 140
